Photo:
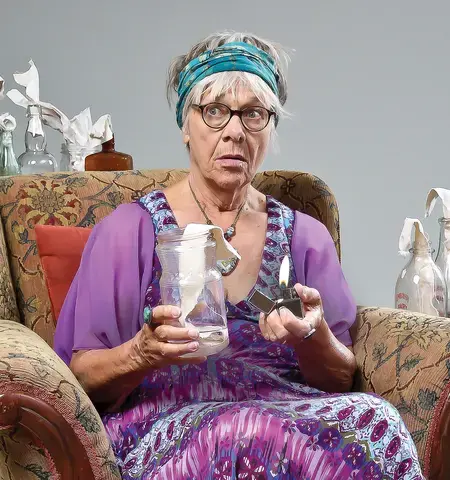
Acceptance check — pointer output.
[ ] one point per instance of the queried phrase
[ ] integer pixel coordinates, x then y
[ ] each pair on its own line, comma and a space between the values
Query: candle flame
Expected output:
284, 272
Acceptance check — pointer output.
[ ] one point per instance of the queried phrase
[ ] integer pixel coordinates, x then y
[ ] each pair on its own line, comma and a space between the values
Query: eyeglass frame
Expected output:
238, 113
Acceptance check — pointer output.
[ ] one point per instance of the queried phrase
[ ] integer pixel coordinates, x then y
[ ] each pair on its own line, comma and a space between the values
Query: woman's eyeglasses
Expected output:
217, 115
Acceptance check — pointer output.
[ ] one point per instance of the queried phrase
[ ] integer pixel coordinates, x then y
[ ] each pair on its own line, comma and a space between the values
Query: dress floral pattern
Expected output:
245, 413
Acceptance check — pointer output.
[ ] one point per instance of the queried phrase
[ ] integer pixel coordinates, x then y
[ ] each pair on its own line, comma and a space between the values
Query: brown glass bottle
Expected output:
108, 159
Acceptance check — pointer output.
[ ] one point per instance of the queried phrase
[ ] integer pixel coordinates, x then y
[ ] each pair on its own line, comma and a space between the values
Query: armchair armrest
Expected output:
49, 425
405, 358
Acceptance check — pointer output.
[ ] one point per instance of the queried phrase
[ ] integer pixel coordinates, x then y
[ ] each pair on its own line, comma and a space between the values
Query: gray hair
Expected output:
220, 83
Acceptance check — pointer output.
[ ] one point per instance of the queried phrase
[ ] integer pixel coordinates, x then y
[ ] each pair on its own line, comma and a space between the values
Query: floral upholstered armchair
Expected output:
48, 426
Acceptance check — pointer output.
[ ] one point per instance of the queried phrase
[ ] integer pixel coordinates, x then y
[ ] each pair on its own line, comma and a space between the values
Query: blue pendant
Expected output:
229, 233
227, 266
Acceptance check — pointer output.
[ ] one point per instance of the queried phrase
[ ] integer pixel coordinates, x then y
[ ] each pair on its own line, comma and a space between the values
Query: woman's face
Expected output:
229, 157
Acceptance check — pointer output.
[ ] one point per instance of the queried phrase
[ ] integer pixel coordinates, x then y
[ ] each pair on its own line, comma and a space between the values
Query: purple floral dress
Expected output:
245, 413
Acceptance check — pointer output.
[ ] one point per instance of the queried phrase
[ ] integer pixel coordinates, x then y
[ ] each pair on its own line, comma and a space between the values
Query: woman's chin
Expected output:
231, 178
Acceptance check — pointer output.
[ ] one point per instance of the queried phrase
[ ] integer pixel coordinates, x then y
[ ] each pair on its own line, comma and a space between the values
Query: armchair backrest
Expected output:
83, 199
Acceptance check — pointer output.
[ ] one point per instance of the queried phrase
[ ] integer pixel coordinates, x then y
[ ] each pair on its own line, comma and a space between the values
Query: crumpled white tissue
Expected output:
86, 136
51, 116
405, 242
192, 264
432, 197
82, 132
7, 122
79, 130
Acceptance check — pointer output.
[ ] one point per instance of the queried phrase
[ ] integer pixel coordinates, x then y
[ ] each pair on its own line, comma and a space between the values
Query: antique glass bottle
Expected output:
77, 156
443, 255
190, 280
35, 159
421, 286
108, 159
8, 161
64, 162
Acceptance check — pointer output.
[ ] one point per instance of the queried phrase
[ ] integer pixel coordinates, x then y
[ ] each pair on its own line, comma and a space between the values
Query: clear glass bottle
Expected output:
35, 159
421, 286
8, 161
78, 154
64, 162
443, 255
190, 280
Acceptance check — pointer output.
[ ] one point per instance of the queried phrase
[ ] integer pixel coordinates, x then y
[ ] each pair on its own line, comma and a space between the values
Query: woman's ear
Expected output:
186, 137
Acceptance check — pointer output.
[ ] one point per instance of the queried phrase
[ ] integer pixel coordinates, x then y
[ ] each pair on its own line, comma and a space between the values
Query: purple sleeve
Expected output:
317, 265
104, 305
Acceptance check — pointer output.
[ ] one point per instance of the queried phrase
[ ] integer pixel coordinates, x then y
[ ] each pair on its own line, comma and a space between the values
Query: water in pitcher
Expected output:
211, 340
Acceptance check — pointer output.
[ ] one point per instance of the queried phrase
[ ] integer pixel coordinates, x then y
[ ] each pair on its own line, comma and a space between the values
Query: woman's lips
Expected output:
236, 161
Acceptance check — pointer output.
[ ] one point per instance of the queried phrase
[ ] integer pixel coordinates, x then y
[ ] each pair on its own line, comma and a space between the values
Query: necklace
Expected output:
225, 266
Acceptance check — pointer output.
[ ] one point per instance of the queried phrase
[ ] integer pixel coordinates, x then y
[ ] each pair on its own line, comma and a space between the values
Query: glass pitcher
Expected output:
190, 280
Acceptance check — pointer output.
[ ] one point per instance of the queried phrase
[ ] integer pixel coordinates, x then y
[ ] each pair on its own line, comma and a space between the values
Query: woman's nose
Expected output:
234, 130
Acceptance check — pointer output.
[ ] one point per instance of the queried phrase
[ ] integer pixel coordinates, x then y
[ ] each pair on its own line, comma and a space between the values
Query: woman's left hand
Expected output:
284, 327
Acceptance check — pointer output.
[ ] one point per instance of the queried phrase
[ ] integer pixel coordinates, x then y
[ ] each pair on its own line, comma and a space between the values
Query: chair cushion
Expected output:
60, 250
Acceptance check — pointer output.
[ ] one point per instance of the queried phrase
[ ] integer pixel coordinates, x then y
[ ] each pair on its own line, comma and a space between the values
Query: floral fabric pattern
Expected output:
48, 202
82, 199
245, 413
402, 356
29, 367
276, 246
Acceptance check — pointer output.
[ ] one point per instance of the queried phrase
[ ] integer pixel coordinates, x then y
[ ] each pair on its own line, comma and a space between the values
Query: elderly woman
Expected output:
273, 403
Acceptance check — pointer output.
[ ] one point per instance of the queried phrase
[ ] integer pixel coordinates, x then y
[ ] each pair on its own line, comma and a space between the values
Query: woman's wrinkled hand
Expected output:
283, 326
152, 348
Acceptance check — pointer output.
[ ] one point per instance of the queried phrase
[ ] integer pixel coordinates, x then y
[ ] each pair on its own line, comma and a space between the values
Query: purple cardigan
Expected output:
104, 305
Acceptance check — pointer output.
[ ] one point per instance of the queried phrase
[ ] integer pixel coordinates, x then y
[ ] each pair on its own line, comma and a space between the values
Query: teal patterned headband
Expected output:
233, 56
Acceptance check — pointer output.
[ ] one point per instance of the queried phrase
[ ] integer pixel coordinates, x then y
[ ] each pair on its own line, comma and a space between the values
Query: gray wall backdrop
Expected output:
369, 92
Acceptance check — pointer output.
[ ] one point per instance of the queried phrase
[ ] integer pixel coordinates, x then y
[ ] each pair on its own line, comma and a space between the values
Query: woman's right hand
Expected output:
151, 345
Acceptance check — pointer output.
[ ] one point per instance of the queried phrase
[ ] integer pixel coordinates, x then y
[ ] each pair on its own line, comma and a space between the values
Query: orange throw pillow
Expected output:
60, 250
